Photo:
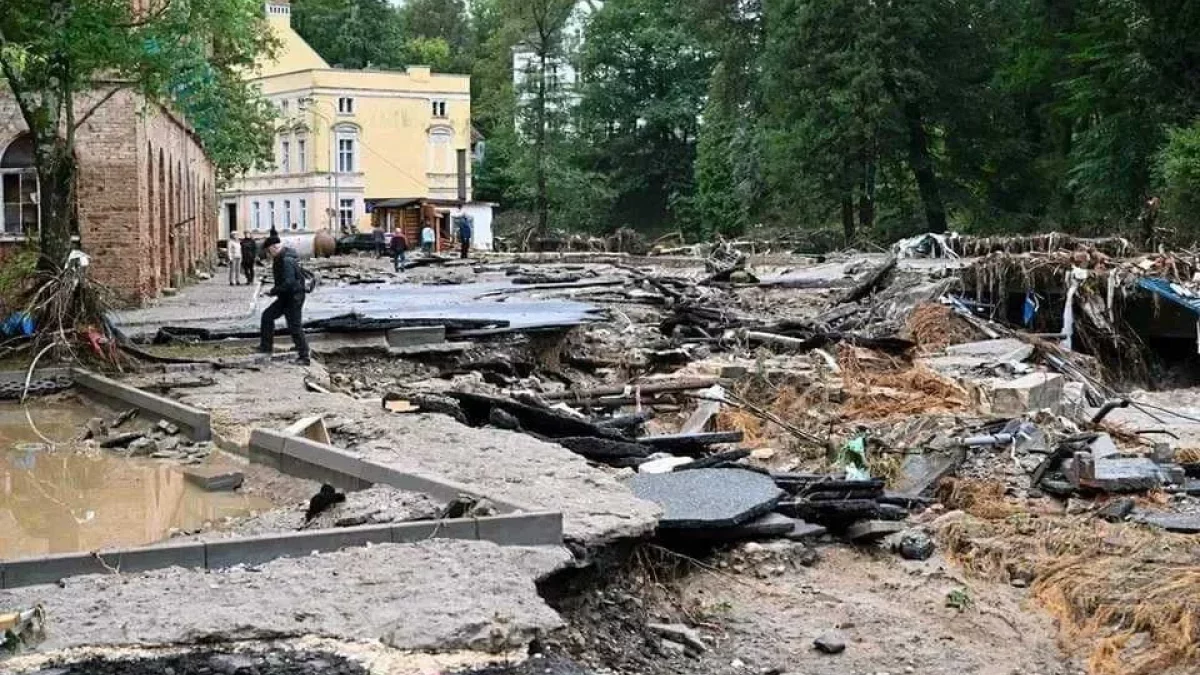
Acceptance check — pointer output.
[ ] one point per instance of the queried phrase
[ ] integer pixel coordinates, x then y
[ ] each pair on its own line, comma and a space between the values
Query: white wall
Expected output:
482, 236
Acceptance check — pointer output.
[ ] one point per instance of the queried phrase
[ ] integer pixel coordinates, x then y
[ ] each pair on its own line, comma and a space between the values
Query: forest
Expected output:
829, 122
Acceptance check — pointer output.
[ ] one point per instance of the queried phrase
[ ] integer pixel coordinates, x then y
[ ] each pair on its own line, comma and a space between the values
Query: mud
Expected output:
214, 662
73, 497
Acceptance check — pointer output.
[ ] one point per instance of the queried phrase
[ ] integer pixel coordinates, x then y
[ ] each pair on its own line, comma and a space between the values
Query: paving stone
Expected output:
707, 498
869, 530
1031, 393
764, 527
919, 472
214, 479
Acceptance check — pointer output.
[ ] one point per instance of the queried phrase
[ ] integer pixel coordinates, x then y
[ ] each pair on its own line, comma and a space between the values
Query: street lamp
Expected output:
310, 105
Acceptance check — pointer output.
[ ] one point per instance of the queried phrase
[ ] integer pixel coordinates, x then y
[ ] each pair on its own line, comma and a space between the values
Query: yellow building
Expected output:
349, 139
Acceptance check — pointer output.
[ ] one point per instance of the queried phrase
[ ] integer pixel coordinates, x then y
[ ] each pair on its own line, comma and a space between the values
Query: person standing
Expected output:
378, 239
289, 300
427, 239
249, 253
399, 247
463, 228
233, 250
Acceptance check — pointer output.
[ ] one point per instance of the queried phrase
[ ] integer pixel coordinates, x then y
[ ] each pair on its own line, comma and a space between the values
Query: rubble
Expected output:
707, 499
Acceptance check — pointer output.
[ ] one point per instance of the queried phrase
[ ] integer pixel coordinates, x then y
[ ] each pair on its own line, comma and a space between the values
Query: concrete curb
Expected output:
197, 423
518, 525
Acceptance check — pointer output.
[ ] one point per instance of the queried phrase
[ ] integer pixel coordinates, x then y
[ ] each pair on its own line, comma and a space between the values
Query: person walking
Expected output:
378, 238
464, 229
249, 253
399, 248
427, 239
289, 300
233, 251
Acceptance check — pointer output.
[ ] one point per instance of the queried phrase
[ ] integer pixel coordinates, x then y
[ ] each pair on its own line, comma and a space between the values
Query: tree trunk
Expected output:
921, 163
848, 217
56, 188
543, 202
866, 202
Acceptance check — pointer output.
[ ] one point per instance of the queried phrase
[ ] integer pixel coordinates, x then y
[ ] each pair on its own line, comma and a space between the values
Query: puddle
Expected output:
72, 499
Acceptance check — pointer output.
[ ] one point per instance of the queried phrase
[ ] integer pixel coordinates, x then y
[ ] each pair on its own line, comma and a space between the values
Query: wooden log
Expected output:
685, 443
651, 387
627, 421
602, 449
873, 281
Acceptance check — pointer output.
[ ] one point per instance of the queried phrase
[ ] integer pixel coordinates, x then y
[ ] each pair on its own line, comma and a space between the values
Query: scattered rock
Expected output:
873, 530
916, 545
827, 644
679, 633
169, 444
1116, 510
166, 427
143, 447
763, 454
96, 428
121, 440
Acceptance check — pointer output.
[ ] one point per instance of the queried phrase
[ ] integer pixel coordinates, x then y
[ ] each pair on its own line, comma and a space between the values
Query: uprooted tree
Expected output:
61, 60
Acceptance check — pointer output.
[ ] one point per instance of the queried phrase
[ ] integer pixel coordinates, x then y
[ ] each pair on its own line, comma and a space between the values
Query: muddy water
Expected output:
73, 499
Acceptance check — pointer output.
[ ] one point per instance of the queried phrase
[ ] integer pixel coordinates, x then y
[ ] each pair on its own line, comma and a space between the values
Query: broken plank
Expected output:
674, 441
645, 388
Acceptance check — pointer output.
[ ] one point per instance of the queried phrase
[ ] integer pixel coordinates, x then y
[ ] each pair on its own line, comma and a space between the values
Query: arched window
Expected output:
18, 187
441, 150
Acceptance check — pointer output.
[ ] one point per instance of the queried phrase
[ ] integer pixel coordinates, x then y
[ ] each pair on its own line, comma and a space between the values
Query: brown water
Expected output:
72, 499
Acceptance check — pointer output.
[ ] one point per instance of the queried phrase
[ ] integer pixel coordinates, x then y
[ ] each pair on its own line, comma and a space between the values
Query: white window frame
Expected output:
439, 108
304, 214
285, 156
283, 107
346, 213
287, 215
271, 213
345, 105
257, 216
301, 154
346, 151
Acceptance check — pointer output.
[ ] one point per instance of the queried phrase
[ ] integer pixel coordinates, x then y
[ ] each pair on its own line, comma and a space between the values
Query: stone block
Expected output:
214, 478
1183, 523
415, 336
264, 548
805, 530
1030, 393
870, 530
1103, 448
1120, 475
197, 422
522, 529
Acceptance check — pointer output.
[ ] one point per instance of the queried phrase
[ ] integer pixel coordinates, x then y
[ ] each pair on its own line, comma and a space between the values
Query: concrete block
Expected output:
870, 530
347, 343
444, 490
522, 529
49, 569
1103, 448
414, 336
1120, 475
1184, 523
266, 448
214, 478
458, 528
321, 455
1030, 393
265, 548
308, 471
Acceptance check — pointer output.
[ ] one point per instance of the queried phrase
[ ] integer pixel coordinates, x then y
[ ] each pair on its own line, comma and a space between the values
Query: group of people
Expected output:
397, 249
242, 253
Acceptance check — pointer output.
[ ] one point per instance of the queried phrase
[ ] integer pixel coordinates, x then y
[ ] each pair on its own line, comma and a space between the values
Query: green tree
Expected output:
62, 59
352, 33
645, 77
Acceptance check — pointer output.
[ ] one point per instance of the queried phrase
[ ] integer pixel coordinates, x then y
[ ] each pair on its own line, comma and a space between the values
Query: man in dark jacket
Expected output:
249, 253
464, 227
399, 248
289, 300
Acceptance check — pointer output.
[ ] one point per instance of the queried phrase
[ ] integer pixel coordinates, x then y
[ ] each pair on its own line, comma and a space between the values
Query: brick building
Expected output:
146, 194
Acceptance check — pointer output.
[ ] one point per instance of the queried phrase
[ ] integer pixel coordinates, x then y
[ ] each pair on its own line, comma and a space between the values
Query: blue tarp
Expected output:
1173, 292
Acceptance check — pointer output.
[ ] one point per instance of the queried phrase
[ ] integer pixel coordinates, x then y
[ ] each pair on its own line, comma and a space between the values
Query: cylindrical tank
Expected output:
302, 244
324, 245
